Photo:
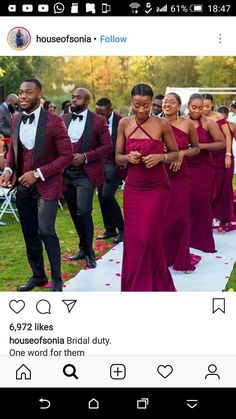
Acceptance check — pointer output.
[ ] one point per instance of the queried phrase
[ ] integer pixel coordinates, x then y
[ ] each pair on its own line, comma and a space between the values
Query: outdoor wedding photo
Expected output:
117, 173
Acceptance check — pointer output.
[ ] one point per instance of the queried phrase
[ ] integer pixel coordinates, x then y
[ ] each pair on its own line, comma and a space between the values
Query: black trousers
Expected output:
79, 198
111, 212
37, 217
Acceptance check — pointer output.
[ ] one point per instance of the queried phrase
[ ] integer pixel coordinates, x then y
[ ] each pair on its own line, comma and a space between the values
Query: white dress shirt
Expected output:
27, 131
76, 127
110, 122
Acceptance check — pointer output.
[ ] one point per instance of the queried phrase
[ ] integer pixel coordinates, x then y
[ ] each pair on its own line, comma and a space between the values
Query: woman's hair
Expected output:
208, 97
233, 104
64, 104
223, 109
142, 89
46, 104
195, 96
177, 97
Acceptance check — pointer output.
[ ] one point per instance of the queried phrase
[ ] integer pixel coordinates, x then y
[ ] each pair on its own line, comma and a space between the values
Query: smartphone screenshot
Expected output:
117, 208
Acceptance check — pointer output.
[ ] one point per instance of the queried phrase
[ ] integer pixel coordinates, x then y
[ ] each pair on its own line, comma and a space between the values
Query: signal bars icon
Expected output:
135, 7
163, 9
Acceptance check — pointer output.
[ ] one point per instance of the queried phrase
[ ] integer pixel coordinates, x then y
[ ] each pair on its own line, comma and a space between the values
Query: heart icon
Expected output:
165, 370
17, 306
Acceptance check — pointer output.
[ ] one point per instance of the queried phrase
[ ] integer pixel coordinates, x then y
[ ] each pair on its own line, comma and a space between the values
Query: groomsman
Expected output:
111, 212
92, 144
39, 153
157, 104
7, 110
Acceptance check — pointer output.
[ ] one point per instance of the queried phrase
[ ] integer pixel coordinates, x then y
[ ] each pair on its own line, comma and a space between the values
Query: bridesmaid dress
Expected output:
201, 174
146, 197
177, 229
223, 209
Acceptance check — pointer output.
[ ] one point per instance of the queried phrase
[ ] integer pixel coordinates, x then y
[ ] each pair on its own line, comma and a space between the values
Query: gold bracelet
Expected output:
228, 154
165, 157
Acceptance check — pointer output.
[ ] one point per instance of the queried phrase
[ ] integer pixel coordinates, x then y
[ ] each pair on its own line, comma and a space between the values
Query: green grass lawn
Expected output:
234, 182
14, 269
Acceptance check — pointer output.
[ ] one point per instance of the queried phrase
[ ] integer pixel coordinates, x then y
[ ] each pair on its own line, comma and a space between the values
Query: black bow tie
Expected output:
75, 115
28, 117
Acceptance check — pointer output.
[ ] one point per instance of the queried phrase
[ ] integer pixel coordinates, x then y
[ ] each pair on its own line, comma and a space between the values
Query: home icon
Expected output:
93, 404
23, 373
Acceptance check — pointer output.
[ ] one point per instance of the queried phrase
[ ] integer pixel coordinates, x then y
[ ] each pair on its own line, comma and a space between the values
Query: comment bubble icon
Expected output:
43, 307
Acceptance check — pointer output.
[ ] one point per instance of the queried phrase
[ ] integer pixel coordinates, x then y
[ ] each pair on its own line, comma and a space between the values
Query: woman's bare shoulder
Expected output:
160, 121
125, 121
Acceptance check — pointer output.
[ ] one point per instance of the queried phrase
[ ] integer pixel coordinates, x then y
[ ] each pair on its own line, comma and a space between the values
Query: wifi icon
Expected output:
134, 7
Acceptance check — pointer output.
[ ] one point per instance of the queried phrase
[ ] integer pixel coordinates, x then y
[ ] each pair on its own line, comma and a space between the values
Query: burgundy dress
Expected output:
201, 171
223, 209
146, 197
176, 230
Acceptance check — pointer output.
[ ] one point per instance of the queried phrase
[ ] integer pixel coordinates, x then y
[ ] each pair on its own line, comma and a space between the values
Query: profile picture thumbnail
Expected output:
18, 38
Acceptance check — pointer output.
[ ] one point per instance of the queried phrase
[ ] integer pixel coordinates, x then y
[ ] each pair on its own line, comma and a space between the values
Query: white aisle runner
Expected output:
211, 274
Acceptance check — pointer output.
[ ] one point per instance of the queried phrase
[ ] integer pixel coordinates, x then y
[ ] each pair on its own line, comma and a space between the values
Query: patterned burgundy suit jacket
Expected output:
52, 153
96, 143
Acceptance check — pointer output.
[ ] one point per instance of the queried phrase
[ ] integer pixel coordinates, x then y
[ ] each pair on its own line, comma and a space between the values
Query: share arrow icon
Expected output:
69, 304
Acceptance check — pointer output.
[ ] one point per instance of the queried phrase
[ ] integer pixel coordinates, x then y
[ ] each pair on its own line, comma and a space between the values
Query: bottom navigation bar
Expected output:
108, 402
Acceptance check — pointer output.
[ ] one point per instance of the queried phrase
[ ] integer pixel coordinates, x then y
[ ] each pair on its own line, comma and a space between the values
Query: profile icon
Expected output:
18, 38
212, 372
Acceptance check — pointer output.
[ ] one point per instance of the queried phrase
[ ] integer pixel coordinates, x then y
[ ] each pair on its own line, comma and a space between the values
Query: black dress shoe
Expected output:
107, 235
57, 285
33, 282
119, 238
80, 255
90, 262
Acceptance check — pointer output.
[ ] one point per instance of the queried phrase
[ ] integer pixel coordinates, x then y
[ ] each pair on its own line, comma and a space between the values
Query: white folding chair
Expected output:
6, 207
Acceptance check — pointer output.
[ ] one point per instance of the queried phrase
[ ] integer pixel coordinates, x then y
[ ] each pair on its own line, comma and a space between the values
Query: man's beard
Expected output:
31, 107
76, 108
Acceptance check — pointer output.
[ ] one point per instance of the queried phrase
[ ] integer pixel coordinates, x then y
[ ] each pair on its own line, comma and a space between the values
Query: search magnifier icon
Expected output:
69, 370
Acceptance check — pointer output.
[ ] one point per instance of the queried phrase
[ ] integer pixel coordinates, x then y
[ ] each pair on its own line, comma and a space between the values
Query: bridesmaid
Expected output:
202, 173
222, 159
227, 195
176, 230
140, 143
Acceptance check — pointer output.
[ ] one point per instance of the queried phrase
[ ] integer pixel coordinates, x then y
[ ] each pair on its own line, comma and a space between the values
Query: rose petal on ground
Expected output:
65, 275
47, 285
